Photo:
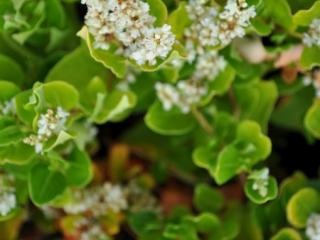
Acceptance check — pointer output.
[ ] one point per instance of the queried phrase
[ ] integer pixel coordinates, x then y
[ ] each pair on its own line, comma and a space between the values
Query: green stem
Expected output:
202, 121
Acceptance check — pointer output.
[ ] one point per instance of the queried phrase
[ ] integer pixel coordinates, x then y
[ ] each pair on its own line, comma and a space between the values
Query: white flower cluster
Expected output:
189, 92
209, 65
260, 178
130, 24
184, 95
7, 108
129, 78
212, 27
312, 37
314, 80
98, 200
94, 232
49, 124
313, 227
8, 200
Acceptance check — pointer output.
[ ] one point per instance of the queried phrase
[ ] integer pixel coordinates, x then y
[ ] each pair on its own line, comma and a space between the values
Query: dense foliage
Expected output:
148, 119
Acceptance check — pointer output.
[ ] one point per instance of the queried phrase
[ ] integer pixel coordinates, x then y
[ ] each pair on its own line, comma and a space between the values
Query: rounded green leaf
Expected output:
301, 205
8, 90
16, 153
287, 234
45, 184
254, 195
228, 164
253, 143
107, 57
179, 20
305, 17
25, 115
312, 119
77, 68
171, 122
207, 198
115, 106
310, 57
206, 222
159, 10
56, 94
10, 134
10, 70
79, 171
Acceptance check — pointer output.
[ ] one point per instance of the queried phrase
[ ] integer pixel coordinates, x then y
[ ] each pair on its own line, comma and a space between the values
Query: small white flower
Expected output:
7, 108
260, 178
313, 227
8, 202
312, 37
48, 124
130, 24
98, 200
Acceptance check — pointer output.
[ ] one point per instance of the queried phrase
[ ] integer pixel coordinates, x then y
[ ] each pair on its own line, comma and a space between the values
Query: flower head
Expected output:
313, 227
260, 183
312, 37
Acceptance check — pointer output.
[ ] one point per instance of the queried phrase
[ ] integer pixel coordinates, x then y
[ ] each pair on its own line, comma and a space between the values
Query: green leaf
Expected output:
10, 70
257, 101
312, 119
310, 57
56, 94
60, 139
25, 115
228, 164
305, 17
45, 184
206, 222
252, 142
204, 157
159, 10
292, 185
8, 90
10, 134
280, 14
302, 204
55, 14
222, 82
145, 223
107, 57
290, 113
171, 122
17, 153
261, 27
78, 69
254, 195
179, 20
207, 199
79, 172
116, 106
287, 234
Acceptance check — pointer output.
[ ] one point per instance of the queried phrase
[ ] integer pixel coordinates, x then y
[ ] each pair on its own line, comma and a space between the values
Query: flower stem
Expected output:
202, 121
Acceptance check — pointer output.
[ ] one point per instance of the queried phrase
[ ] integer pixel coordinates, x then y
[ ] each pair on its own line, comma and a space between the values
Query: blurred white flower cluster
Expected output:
49, 124
211, 26
183, 96
214, 27
313, 79
8, 200
130, 24
313, 227
260, 183
312, 37
7, 108
98, 200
